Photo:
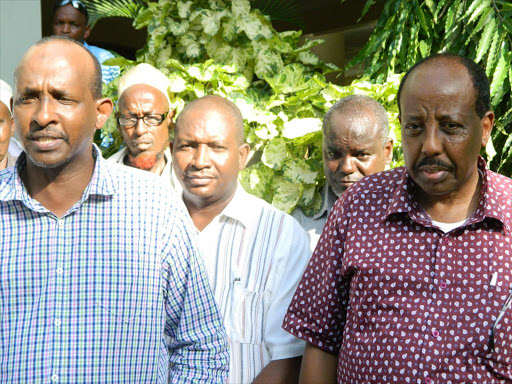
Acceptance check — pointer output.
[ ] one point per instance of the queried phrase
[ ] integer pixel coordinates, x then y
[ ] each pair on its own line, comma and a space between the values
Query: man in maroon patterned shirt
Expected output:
411, 279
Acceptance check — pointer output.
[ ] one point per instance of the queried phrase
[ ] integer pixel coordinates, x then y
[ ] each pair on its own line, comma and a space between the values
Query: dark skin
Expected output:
68, 21
318, 366
6, 131
442, 136
55, 115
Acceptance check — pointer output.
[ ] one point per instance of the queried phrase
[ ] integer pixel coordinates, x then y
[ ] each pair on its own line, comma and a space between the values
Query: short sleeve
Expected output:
317, 312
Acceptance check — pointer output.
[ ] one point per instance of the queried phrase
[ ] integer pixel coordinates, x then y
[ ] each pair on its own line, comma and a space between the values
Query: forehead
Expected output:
207, 123
59, 64
4, 112
70, 13
443, 83
142, 95
353, 130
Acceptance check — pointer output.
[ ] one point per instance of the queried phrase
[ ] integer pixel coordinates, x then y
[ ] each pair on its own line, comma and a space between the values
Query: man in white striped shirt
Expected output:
254, 254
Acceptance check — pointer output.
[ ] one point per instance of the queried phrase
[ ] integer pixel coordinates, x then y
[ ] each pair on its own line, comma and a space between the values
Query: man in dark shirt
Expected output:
411, 279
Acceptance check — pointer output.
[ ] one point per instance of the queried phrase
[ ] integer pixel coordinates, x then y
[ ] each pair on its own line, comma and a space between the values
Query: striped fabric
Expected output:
254, 256
113, 292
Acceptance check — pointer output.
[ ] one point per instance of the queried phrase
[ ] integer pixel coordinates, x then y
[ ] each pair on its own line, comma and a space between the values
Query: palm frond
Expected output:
99, 9
282, 10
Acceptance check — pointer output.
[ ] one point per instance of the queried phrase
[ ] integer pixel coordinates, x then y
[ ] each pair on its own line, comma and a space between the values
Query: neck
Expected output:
159, 166
3, 163
58, 189
455, 207
202, 212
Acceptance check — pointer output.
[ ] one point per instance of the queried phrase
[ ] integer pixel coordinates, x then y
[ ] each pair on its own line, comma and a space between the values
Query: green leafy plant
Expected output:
228, 48
409, 30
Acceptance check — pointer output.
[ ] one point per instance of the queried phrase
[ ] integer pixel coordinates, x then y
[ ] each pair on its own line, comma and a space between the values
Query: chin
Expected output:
47, 162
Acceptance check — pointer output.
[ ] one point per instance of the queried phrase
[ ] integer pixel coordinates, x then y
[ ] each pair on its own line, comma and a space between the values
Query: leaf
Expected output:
475, 10
211, 21
240, 8
274, 153
268, 63
489, 150
286, 195
254, 28
143, 18
119, 61
424, 48
500, 73
177, 28
297, 171
485, 40
492, 55
309, 58
184, 8
189, 44
300, 127
366, 8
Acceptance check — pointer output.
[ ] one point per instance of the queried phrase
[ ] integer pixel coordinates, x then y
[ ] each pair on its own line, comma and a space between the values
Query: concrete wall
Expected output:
20, 27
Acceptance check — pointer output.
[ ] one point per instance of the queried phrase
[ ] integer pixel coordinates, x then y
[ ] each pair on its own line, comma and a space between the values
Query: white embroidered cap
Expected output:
144, 74
5, 94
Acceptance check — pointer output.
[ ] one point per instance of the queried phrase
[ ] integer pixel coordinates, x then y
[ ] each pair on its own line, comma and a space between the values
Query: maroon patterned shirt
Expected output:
397, 299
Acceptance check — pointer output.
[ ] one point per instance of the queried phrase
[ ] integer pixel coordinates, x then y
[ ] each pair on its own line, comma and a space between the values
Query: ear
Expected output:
87, 32
487, 122
243, 152
388, 151
170, 122
104, 109
12, 126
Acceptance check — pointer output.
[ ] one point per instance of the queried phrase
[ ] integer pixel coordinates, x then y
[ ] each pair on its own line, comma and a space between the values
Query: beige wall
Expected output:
20, 27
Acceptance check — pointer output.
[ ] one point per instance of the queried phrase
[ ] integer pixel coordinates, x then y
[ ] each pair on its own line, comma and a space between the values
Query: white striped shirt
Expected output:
255, 256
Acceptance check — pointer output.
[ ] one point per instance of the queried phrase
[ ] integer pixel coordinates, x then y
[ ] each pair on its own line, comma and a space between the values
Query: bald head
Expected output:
45, 49
364, 111
216, 103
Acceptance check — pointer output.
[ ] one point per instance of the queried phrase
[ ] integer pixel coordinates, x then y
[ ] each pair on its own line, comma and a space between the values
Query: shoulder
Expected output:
501, 186
100, 53
7, 180
381, 182
118, 156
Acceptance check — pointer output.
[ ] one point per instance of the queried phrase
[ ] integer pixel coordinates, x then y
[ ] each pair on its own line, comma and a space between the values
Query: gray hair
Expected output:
360, 105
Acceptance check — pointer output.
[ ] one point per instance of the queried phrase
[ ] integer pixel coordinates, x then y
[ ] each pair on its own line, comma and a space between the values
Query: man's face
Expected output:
6, 130
68, 21
207, 155
441, 131
352, 149
54, 110
146, 144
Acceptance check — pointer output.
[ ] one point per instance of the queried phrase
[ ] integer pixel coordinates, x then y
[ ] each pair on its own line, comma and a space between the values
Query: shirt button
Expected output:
443, 285
435, 333
428, 380
55, 378
57, 323
60, 271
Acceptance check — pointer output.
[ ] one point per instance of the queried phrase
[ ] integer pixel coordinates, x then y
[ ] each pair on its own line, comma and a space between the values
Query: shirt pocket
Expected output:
128, 289
247, 315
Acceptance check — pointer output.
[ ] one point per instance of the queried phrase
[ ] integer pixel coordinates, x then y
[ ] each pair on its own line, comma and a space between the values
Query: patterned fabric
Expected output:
108, 72
248, 250
113, 292
313, 225
401, 301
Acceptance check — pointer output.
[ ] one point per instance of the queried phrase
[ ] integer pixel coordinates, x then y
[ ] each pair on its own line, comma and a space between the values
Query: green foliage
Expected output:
410, 30
226, 48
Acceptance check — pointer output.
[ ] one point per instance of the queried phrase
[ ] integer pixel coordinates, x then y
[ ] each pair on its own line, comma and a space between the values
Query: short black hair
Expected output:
77, 4
476, 74
97, 81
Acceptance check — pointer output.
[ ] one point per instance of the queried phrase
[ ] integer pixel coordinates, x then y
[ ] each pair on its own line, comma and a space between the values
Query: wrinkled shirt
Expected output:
397, 299
112, 292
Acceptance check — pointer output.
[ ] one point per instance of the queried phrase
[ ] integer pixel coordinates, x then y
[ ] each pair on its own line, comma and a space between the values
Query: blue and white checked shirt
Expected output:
112, 292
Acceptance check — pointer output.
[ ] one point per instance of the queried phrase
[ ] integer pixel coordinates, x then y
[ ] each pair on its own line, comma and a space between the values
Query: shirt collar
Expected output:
403, 200
328, 200
12, 187
238, 208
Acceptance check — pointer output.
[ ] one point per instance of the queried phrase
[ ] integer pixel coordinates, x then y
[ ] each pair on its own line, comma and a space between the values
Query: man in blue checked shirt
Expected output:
100, 278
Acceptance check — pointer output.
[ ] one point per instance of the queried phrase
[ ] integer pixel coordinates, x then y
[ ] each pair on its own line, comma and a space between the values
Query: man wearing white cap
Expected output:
6, 125
144, 119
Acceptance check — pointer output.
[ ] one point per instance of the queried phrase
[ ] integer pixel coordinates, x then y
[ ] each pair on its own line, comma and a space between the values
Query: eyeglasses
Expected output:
504, 309
151, 119
77, 4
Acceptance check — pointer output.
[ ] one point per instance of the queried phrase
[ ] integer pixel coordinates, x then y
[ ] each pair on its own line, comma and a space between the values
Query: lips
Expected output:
46, 141
199, 180
433, 173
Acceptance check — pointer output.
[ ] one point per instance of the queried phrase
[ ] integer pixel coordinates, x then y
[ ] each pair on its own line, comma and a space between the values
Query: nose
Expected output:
432, 144
140, 128
347, 164
45, 113
65, 29
201, 157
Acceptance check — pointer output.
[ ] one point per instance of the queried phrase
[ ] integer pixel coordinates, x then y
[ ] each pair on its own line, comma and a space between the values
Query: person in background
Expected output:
355, 144
411, 281
254, 254
6, 126
144, 119
101, 280
71, 19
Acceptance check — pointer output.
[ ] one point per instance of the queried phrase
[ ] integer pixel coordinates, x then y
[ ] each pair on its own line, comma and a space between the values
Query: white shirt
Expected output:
167, 172
254, 256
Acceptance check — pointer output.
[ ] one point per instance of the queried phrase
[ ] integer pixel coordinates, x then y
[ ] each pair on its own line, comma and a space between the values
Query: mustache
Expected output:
54, 132
431, 161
